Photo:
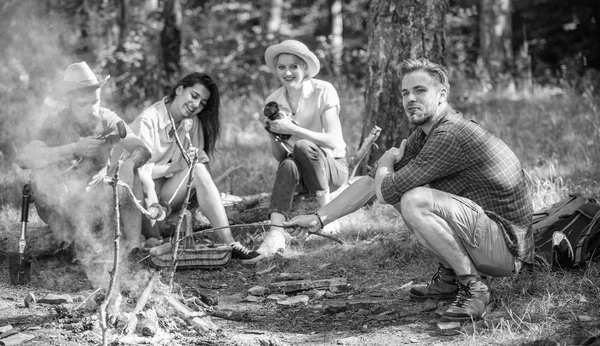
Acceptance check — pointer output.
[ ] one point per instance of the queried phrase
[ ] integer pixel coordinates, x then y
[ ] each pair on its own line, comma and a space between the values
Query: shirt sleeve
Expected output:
330, 99
441, 156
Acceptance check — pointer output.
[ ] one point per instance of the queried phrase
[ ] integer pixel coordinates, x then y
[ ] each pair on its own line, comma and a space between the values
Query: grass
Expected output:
557, 139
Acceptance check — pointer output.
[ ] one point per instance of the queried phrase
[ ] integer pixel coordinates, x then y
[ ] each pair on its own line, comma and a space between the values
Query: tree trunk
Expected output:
397, 30
495, 60
272, 18
337, 28
170, 39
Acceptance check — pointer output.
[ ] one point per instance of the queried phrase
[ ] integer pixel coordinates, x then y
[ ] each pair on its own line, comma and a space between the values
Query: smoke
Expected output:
38, 42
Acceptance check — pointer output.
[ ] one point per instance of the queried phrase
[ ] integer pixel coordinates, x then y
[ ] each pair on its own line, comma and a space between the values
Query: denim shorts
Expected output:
481, 236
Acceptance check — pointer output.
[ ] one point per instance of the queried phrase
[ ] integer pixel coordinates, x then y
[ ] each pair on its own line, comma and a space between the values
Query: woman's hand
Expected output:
302, 226
284, 126
202, 156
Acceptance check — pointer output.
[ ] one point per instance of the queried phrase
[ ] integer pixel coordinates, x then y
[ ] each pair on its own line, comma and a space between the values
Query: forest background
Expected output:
502, 54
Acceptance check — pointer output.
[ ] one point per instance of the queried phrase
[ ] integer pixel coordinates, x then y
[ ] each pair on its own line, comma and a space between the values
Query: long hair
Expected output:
209, 115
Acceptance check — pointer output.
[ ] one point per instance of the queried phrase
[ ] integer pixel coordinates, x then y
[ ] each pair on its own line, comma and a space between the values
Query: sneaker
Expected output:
443, 285
240, 251
274, 243
470, 302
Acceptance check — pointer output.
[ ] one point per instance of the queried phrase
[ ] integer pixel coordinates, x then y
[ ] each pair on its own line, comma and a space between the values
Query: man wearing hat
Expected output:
313, 159
69, 158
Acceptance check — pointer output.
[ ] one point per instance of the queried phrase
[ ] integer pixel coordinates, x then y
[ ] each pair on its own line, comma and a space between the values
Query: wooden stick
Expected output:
113, 273
265, 224
133, 320
363, 150
186, 201
87, 298
225, 174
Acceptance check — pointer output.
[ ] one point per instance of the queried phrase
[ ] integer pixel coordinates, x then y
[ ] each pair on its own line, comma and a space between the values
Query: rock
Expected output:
338, 286
56, 299
30, 300
334, 307
5, 328
253, 299
258, 291
295, 300
316, 294
289, 277
305, 285
277, 297
448, 325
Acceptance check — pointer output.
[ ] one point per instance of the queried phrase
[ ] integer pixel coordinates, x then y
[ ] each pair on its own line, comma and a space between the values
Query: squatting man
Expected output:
461, 191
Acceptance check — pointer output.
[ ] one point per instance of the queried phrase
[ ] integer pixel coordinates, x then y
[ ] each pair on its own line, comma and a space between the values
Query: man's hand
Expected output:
393, 154
89, 147
302, 226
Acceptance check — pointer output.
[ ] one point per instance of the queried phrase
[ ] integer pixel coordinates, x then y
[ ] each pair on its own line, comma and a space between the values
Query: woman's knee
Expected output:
305, 148
201, 172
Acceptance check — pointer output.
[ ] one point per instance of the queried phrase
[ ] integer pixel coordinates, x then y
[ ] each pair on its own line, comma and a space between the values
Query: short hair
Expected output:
436, 71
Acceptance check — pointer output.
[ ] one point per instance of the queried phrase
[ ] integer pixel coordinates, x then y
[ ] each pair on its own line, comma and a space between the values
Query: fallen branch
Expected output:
225, 174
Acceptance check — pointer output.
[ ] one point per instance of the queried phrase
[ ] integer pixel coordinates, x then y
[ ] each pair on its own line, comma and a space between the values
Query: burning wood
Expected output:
133, 320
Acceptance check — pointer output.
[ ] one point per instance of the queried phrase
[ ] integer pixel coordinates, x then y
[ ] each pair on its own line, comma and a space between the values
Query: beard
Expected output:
417, 115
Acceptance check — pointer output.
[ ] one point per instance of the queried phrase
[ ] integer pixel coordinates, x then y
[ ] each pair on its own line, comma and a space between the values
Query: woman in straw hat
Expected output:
314, 157
192, 109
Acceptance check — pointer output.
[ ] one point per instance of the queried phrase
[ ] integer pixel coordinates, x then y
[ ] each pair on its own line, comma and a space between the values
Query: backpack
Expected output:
567, 234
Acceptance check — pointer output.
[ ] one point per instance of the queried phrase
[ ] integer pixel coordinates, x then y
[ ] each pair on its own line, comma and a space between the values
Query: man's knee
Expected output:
414, 201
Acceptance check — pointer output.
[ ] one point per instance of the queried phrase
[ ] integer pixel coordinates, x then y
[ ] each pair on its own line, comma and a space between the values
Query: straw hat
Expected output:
78, 76
293, 47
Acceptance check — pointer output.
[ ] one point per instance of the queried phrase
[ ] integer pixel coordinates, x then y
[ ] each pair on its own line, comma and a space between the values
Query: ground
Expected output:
372, 309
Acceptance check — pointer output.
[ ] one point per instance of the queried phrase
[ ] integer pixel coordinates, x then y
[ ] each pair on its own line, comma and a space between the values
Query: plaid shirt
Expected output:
460, 157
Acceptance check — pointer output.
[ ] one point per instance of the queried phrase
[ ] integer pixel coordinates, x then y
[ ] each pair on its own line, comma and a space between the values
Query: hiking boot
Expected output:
240, 251
470, 302
443, 285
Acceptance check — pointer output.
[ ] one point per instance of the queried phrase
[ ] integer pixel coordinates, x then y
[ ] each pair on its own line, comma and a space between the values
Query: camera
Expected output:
272, 112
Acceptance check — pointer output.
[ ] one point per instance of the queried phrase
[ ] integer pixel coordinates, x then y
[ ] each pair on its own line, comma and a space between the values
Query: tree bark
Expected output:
397, 30
495, 60
337, 29
170, 39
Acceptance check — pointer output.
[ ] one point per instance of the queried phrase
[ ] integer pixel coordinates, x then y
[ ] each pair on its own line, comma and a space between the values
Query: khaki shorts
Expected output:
480, 235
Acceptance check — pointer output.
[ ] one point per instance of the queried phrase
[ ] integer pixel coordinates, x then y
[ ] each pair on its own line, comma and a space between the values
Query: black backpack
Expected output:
567, 234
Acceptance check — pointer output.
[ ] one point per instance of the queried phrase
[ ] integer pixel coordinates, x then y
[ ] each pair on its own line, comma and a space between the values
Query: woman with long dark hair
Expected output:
192, 111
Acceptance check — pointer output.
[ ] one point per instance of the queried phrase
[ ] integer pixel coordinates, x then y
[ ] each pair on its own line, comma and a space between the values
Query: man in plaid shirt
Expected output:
461, 191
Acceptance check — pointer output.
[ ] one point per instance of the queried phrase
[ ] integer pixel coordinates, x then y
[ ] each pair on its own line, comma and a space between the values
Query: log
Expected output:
182, 310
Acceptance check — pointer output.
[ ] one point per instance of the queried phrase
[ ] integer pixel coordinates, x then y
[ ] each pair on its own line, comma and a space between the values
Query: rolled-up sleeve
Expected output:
441, 156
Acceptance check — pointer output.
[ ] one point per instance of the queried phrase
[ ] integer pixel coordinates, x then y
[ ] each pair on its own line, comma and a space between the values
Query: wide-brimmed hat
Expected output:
293, 47
77, 76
